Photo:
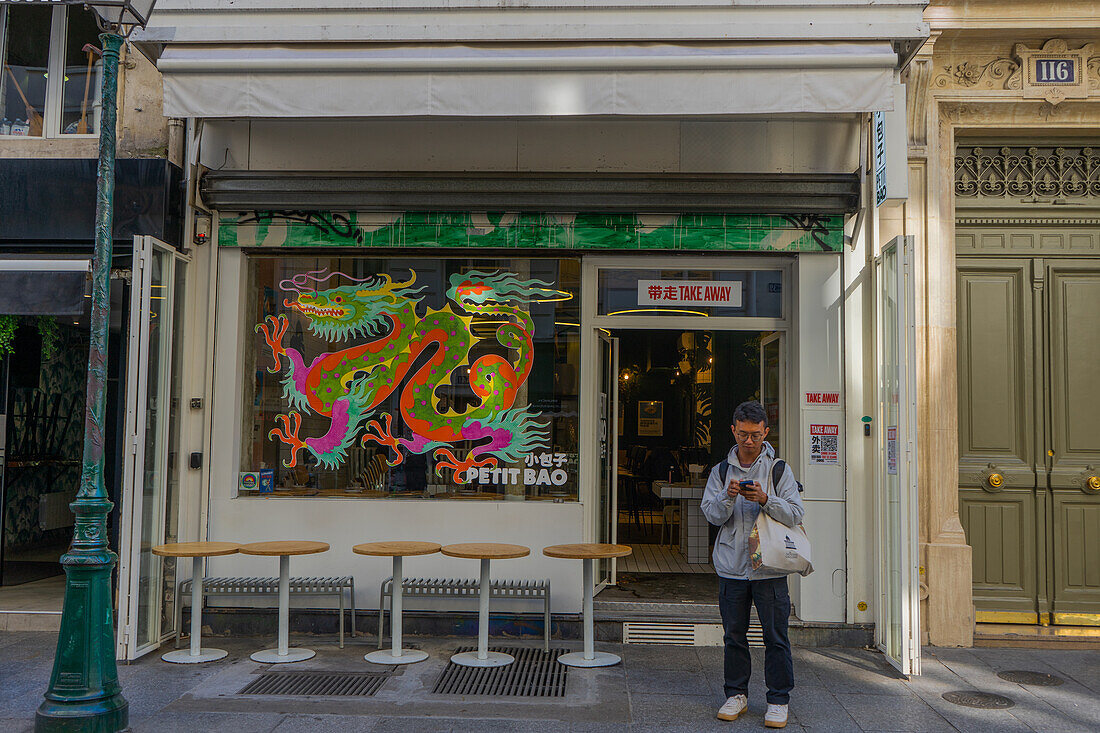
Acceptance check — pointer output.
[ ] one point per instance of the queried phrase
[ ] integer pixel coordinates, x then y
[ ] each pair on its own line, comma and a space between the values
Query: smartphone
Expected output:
746, 484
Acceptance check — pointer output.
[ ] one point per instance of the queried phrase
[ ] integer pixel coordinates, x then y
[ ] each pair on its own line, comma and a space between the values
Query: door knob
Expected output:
1093, 482
996, 480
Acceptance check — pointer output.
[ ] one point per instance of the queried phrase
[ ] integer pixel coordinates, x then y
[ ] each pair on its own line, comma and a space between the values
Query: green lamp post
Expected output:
84, 693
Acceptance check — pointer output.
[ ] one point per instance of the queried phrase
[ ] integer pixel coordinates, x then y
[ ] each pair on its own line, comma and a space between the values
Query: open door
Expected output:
607, 432
897, 622
773, 383
151, 474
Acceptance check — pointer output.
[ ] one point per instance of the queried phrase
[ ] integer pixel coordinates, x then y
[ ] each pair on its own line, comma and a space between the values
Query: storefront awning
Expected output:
52, 287
513, 80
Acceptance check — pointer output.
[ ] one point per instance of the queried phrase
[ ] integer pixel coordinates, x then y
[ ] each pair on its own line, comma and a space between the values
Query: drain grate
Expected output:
1023, 677
535, 673
977, 699
318, 684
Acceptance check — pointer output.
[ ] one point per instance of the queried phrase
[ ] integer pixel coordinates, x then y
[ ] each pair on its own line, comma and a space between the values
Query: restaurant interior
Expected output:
676, 392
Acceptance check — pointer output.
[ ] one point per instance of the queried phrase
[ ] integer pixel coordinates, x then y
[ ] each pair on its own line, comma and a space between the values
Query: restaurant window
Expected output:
428, 378
52, 71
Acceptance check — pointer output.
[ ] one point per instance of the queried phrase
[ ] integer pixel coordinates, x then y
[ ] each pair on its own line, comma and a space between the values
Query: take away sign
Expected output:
712, 293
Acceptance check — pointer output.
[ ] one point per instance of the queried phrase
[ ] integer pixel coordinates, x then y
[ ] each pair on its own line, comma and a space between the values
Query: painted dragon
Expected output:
349, 384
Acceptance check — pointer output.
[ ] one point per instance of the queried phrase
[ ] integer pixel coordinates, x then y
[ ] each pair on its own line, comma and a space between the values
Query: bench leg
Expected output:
546, 622
381, 616
341, 594
351, 597
179, 613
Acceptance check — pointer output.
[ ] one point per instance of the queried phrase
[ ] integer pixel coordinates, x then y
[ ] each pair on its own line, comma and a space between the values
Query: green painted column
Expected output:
84, 692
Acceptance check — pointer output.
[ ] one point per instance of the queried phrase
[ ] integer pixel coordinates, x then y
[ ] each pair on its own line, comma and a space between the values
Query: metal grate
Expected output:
316, 684
977, 699
1022, 677
684, 634
535, 673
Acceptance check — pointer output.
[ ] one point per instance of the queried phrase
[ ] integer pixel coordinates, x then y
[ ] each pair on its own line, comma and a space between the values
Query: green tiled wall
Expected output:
695, 232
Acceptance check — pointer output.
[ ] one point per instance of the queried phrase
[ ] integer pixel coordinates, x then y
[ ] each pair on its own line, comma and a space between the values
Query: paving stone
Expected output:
417, 725
816, 708
660, 656
171, 722
599, 728
667, 681
850, 671
17, 725
893, 713
668, 712
327, 724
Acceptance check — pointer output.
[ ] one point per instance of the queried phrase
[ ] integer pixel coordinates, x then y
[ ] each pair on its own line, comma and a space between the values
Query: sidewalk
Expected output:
657, 688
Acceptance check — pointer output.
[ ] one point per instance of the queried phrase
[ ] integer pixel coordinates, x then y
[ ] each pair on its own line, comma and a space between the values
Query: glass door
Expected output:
608, 435
772, 385
150, 489
897, 620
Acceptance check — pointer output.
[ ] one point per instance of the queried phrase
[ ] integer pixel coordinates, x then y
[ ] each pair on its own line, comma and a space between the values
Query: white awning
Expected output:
509, 80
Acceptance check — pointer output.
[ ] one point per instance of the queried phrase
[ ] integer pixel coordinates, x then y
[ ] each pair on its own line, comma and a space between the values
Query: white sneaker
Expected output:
733, 708
776, 717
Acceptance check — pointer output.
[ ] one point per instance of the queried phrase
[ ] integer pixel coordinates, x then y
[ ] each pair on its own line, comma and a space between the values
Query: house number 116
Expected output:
1055, 72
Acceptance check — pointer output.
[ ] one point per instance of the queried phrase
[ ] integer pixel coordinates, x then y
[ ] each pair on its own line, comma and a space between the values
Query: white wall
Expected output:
817, 363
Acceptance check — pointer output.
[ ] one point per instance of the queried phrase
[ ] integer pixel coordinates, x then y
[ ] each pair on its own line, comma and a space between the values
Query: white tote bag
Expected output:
775, 547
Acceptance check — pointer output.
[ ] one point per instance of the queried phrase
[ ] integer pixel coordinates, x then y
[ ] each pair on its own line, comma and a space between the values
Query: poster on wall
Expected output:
892, 450
651, 418
825, 445
374, 329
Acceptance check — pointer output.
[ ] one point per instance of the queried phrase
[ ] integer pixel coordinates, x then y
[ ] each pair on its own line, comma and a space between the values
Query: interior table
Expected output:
484, 551
284, 550
396, 550
196, 551
587, 553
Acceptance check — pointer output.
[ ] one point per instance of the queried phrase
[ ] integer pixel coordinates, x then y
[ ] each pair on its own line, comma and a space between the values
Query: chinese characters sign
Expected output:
713, 293
825, 445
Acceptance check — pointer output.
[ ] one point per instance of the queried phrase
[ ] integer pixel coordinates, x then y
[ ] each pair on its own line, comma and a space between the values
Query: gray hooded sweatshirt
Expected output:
736, 517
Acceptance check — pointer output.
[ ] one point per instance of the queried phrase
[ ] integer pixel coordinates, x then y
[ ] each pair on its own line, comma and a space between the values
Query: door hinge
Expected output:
133, 445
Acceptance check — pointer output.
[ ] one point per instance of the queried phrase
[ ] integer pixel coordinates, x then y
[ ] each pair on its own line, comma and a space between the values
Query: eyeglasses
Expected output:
754, 437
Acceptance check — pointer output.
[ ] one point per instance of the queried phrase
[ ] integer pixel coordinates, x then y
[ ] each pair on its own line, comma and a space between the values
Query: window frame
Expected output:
55, 68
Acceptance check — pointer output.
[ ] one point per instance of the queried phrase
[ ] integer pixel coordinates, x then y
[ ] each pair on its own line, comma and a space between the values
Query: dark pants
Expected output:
773, 606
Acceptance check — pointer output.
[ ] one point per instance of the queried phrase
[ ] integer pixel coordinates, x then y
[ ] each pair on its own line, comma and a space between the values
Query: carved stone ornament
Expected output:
1054, 73
998, 73
1017, 172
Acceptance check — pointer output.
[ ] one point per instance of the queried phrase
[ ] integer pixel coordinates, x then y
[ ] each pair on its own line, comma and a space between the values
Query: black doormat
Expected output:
18, 572
535, 673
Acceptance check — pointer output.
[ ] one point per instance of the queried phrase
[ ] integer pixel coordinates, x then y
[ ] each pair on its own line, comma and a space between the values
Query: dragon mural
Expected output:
392, 334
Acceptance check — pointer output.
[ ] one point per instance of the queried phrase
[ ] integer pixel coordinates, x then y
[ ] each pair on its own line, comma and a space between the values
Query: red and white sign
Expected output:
822, 399
825, 445
713, 293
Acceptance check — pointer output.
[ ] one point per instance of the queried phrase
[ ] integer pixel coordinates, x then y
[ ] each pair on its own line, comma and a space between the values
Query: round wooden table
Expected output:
586, 553
397, 550
283, 550
196, 551
484, 551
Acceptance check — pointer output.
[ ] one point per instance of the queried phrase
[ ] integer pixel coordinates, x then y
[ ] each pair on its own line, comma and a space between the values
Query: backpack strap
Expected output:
724, 471
777, 474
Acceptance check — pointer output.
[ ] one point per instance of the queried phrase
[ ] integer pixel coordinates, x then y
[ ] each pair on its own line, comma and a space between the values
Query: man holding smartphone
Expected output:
737, 491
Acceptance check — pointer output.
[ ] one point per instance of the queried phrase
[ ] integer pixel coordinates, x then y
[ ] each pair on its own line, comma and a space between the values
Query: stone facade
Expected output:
143, 132
970, 80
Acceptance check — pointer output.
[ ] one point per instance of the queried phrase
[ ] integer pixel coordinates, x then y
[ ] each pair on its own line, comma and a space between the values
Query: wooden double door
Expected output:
1029, 435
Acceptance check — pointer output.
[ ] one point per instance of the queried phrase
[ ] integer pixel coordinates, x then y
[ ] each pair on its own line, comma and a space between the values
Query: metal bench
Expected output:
270, 587
467, 588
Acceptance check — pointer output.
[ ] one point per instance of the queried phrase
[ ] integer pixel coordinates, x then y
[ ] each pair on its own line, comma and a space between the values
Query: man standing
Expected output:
736, 493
